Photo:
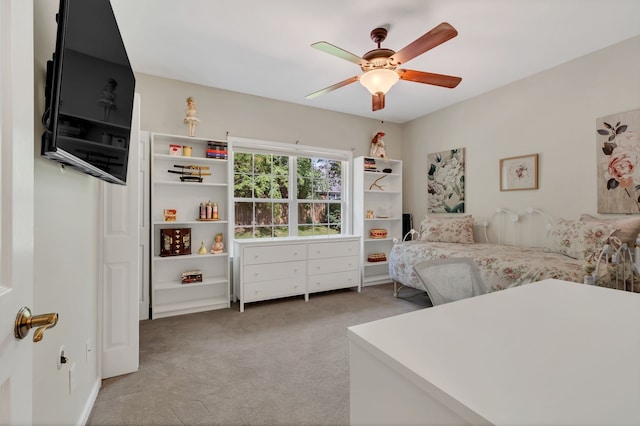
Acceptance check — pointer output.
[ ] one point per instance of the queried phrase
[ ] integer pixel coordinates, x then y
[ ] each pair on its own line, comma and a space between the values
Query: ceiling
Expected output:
263, 48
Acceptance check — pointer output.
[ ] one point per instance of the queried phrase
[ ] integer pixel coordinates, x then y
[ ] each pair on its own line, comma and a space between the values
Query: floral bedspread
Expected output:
501, 266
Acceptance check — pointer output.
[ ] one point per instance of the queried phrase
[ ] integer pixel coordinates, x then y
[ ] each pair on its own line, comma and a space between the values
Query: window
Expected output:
283, 193
319, 196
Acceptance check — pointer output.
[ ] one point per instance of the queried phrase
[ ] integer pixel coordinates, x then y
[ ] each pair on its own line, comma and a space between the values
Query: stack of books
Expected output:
217, 149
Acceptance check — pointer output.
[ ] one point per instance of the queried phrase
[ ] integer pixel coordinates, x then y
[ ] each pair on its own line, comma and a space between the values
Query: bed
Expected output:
530, 246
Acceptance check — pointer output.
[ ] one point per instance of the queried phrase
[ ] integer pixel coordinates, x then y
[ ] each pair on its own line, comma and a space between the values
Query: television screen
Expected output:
90, 91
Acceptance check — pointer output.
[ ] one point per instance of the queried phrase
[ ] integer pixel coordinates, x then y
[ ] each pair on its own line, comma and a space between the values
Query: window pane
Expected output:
262, 164
320, 190
243, 186
304, 167
263, 232
335, 229
242, 162
304, 188
320, 230
304, 213
320, 213
281, 213
305, 231
240, 232
264, 214
262, 186
280, 187
335, 213
280, 231
319, 168
281, 165
243, 213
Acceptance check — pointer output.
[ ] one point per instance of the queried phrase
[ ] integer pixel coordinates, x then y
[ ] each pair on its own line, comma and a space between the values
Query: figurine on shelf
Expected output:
377, 147
217, 246
202, 249
190, 119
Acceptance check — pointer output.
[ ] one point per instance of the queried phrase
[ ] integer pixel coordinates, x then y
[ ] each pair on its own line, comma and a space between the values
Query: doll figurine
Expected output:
190, 119
217, 246
377, 147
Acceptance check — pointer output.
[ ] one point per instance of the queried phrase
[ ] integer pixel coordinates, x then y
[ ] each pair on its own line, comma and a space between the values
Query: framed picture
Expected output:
518, 173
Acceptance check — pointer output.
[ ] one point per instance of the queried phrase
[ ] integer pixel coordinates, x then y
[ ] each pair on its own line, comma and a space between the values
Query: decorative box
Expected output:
175, 241
191, 277
377, 233
377, 257
370, 164
170, 215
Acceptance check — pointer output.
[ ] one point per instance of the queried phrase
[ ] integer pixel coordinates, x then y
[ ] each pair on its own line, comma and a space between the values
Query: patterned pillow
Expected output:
578, 239
447, 229
627, 228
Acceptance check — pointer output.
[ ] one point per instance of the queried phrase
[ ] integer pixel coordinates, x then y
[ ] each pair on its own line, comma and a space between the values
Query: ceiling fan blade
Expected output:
377, 101
333, 87
339, 52
429, 78
433, 38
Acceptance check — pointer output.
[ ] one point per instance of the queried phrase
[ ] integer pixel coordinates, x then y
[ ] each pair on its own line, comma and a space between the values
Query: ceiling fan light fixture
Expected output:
379, 80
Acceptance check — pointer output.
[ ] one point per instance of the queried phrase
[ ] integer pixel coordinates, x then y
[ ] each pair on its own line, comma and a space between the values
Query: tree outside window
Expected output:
264, 189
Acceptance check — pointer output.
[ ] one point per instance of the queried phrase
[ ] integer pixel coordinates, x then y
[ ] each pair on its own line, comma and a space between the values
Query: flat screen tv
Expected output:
89, 92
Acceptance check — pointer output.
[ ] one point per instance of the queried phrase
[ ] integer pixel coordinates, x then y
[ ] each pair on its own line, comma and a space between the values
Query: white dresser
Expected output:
273, 268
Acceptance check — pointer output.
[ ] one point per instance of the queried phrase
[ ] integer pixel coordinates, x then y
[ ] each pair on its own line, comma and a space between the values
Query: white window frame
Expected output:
256, 146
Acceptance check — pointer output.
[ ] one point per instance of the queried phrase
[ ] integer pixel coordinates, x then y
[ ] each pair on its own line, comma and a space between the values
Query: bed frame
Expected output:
530, 228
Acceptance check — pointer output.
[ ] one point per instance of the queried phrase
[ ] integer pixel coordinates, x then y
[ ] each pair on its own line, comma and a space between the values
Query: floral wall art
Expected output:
618, 156
445, 181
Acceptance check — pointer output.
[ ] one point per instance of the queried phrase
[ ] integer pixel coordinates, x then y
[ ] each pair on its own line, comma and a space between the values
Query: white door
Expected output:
121, 268
16, 206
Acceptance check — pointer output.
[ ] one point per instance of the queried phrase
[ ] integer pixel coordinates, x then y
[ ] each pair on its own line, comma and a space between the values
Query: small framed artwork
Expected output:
518, 173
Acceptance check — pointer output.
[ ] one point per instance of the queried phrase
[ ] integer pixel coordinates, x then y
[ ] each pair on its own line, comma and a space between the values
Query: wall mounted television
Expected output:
89, 93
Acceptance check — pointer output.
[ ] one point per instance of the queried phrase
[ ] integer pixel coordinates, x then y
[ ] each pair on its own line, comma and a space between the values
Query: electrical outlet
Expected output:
72, 378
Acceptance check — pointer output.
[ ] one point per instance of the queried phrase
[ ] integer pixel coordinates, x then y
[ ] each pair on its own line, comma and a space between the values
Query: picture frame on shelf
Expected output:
519, 173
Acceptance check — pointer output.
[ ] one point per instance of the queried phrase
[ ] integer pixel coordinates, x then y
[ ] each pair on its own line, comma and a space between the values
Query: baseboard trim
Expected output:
91, 400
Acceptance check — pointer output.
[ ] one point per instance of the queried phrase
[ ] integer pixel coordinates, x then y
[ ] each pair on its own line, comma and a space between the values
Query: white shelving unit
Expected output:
384, 201
168, 295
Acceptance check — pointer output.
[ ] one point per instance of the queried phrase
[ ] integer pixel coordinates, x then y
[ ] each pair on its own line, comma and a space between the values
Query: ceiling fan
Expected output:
380, 66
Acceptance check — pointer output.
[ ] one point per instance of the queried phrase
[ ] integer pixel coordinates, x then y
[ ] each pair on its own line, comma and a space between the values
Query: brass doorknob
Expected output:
25, 322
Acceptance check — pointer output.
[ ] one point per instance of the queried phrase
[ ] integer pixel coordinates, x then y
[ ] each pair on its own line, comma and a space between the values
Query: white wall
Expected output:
220, 111
65, 261
552, 113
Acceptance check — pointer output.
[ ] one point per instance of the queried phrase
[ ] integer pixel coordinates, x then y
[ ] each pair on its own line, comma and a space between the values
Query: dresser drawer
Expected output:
273, 289
338, 264
333, 281
274, 271
334, 249
274, 253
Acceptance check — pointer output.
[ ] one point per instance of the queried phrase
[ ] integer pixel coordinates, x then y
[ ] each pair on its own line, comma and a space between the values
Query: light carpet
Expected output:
281, 362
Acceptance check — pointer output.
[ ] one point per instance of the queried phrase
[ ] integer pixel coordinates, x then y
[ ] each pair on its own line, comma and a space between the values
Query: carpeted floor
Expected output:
281, 362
